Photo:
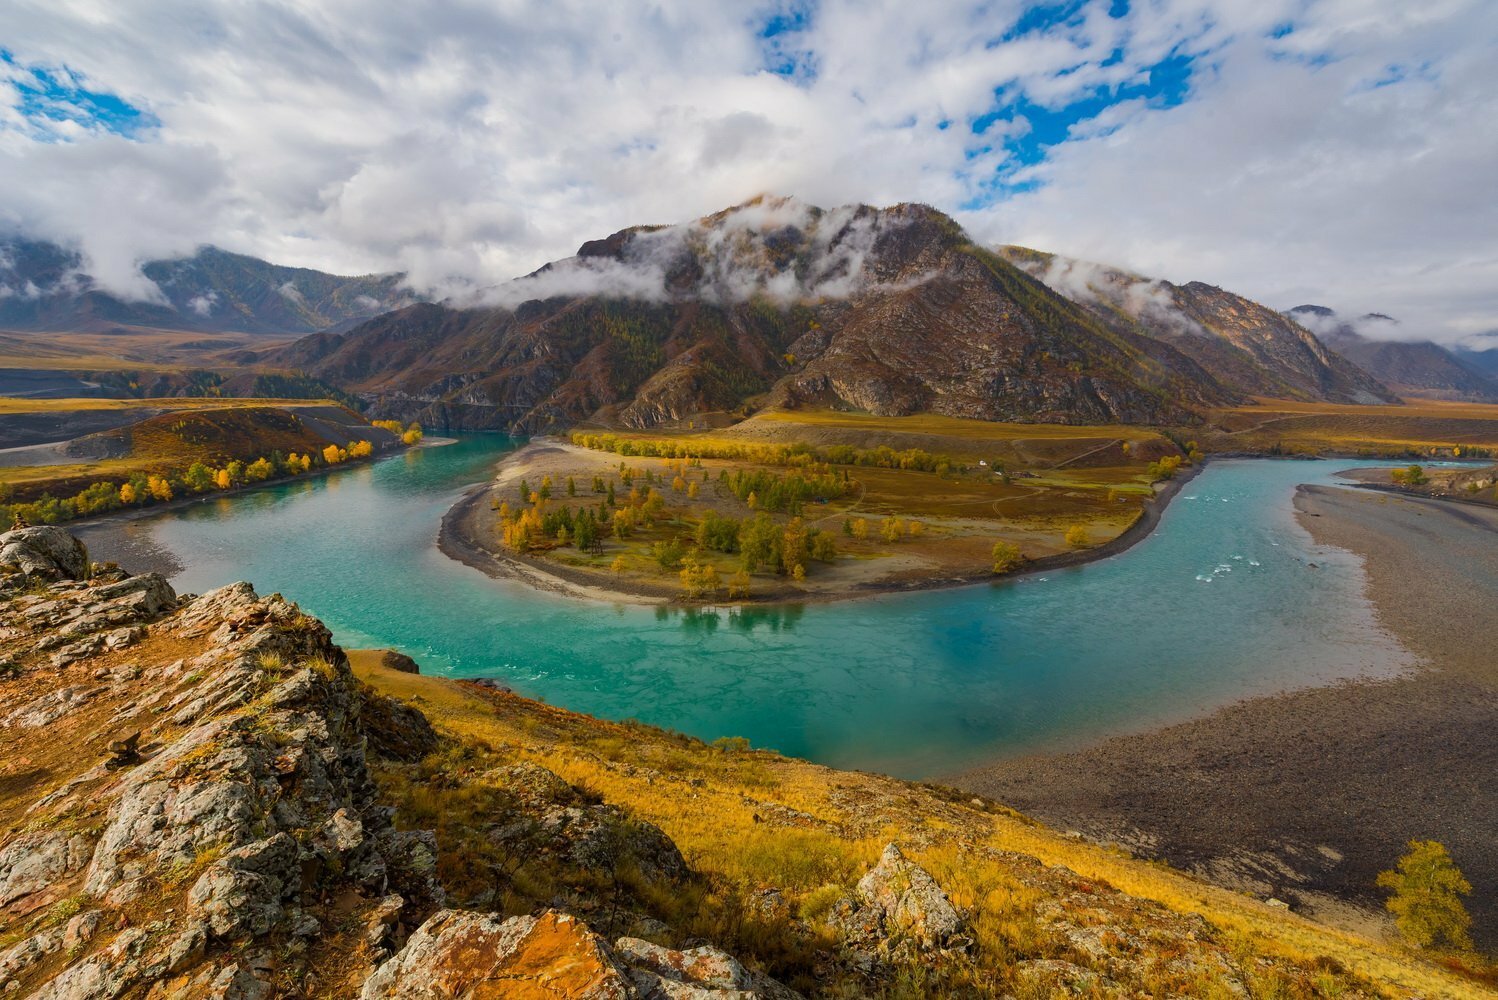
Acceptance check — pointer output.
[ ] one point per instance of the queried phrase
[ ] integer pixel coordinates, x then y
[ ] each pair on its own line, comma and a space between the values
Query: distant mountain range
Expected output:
773, 302
892, 311
44, 287
1413, 368
1248, 348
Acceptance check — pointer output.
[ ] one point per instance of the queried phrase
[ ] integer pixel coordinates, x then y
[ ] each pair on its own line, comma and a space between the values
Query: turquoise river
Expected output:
1220, 603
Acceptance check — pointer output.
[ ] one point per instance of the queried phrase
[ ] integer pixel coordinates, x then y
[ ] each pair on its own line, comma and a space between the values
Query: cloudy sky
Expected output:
1343, 152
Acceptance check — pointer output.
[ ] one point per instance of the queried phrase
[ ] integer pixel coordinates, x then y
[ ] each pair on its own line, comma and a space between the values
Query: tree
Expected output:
693, 490
127, 494
759, 542
1427, 888
798, 573
159, 487
738, 585
198, 478
617, 566
1006, 556
571, 487
892, 529
1076, 536
793, 545
668, 553
860, 528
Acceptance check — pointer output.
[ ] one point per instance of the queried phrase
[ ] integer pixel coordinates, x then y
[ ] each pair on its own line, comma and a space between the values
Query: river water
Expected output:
1220, 603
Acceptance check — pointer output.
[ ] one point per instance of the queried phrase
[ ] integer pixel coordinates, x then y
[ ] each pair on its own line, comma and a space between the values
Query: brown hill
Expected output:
893, 311
1247, 347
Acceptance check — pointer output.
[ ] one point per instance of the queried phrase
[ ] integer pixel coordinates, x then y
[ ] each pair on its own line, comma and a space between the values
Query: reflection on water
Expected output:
917, 684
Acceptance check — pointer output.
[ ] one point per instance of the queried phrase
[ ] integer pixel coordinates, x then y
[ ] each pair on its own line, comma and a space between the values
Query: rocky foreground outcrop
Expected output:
199, 799
192, 814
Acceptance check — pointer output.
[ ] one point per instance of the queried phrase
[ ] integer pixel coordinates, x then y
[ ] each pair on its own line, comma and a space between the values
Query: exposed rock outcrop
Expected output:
460, 955
898, 910
47, 552
243, 808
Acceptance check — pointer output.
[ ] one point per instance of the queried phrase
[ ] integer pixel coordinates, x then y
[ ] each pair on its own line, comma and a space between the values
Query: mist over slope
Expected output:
1376, 344
44, 286
892, 311
1247, 347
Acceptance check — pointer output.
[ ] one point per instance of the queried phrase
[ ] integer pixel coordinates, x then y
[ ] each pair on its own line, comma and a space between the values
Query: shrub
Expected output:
1006, 556
1427, 888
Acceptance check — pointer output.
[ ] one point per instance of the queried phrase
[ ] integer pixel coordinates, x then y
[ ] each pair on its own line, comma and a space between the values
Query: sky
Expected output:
1341, 152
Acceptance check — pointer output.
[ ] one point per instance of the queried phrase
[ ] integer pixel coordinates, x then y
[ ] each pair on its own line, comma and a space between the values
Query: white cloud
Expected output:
735, 252
477, 141
203, 304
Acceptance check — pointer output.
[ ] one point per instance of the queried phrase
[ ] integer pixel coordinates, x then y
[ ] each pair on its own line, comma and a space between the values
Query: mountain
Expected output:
1485, 359
1414, 368
1247, 348
44, 287
893, 311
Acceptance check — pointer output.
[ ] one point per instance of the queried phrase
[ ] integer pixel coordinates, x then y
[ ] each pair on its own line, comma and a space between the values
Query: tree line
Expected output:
144, 489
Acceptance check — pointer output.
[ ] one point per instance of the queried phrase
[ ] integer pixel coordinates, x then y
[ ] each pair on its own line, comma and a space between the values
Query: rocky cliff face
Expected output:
1244, 347
893, 311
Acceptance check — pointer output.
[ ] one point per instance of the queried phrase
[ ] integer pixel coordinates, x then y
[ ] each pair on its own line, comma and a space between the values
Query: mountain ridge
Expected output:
774, 302
1414, 367
1245, 346
44, 286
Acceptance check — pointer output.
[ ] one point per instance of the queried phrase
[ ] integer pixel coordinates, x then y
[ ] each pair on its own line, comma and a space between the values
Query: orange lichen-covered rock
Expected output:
472, 956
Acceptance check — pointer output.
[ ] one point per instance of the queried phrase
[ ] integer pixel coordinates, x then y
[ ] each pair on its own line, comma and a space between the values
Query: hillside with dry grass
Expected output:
203, 798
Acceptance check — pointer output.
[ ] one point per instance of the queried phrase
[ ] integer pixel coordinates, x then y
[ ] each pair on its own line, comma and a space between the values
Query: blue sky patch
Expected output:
48, 98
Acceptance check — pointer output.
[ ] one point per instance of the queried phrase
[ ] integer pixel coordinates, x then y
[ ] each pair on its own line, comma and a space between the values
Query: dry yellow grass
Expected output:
711, 803
1419, 428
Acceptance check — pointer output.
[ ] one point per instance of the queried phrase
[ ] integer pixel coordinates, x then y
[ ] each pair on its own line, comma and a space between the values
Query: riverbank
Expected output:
468, 535
118, 537
1307, 796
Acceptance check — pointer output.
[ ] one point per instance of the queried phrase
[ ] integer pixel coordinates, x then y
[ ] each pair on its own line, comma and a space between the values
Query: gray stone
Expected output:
241, 893
36, 861
47, 552
897, 903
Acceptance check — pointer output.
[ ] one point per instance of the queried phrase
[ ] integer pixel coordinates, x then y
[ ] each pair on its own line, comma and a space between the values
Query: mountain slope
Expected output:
1415, 368
44, 287
893, 311
1247, 347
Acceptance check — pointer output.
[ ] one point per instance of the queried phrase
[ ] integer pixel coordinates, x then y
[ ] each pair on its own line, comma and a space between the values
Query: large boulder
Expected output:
458, 955
47, 552
392, 659
898, 908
